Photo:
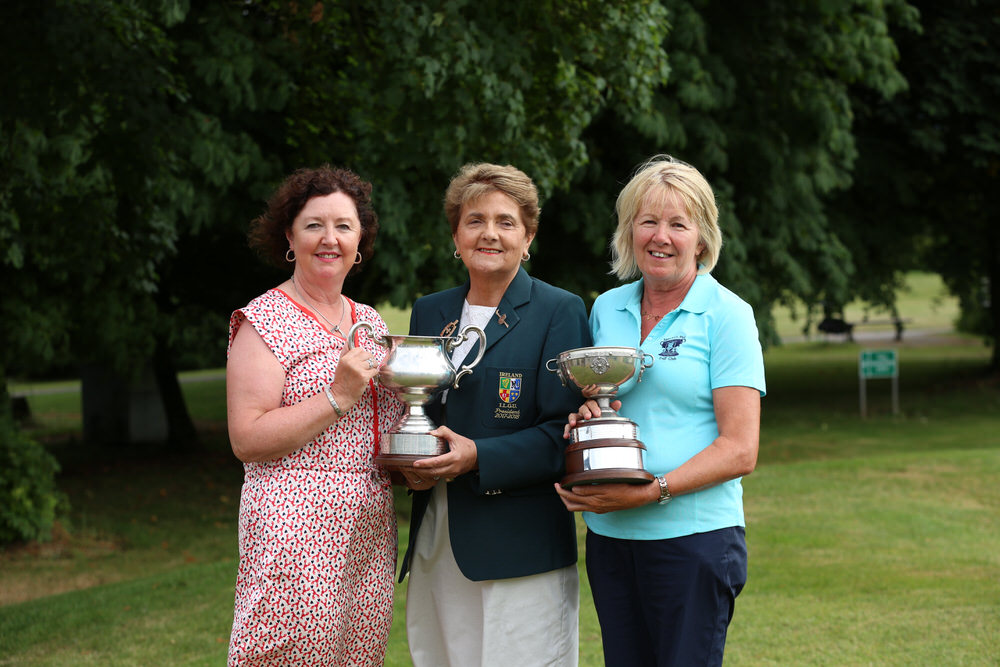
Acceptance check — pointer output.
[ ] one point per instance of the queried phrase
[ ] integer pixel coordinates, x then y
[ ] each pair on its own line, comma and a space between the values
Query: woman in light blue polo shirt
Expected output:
666, 560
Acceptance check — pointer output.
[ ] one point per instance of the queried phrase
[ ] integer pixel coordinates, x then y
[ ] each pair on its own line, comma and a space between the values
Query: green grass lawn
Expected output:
872, 541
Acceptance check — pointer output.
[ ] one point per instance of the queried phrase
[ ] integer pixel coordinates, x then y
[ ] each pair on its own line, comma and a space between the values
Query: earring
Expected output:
358, 260
526, 257
289, 255
457, 254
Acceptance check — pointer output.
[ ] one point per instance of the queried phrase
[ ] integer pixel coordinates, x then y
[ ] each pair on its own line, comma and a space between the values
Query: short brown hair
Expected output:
475, 180
267, 231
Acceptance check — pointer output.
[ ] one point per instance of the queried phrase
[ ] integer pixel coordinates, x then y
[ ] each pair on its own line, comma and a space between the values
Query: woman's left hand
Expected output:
602, 498
462, 458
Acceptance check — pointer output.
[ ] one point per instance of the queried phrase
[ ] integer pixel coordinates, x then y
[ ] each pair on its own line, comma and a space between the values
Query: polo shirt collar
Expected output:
699, 295
695, 301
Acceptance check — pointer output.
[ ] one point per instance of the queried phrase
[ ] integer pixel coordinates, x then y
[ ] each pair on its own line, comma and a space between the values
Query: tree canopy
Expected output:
139, 138
759, 100
926, 192
117, 147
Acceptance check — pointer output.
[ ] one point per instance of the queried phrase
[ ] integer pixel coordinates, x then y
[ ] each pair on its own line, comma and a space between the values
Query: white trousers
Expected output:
454, 622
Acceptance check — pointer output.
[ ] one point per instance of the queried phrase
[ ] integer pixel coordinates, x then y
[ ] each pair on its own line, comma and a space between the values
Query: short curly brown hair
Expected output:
267, 231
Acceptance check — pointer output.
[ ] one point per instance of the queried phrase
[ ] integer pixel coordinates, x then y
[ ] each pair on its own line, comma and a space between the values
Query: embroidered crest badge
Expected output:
510, 389
670, 346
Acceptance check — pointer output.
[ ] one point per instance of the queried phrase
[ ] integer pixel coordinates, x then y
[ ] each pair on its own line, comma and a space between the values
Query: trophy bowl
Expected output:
603, 368
605, 449
416, 368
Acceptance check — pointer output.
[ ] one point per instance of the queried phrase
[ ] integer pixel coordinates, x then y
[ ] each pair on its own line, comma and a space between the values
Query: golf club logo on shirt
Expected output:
670, 346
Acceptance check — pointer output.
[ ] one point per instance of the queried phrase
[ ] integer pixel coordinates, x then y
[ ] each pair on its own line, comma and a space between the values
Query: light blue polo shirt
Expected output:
709, 341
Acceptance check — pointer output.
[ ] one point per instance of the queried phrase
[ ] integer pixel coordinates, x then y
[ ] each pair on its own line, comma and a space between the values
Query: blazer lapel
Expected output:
450, 312
506, 317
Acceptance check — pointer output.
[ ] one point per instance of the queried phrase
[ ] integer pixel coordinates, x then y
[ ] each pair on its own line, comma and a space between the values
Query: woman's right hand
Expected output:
261, 428
354, 371
589, 410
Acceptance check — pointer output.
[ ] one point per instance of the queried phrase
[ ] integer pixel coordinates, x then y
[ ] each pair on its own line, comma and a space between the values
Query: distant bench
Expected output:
834, 325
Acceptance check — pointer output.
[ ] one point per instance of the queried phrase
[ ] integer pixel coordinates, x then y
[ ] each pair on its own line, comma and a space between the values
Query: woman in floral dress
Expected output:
317, 531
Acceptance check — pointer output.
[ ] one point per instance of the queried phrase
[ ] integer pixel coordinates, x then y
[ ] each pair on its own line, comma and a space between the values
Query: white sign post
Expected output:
873, 364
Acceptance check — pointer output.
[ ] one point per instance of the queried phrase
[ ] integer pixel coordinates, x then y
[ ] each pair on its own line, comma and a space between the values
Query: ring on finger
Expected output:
371, 364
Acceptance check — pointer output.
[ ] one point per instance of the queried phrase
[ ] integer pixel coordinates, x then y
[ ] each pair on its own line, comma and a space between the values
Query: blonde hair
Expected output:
475, 180
660, 176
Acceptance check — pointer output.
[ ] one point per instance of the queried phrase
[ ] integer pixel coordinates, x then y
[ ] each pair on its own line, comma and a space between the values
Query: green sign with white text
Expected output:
878, 364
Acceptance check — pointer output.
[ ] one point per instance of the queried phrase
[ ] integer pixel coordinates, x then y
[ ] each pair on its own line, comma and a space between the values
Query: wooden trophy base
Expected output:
607, 476
605, 461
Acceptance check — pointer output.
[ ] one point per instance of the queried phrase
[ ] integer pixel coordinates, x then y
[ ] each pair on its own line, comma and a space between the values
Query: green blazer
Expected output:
505, 519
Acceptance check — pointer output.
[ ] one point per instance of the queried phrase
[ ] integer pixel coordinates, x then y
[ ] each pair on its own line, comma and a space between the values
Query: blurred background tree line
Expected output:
848, 142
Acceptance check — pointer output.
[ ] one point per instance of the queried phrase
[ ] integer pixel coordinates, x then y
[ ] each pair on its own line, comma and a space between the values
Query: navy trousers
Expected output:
666, 602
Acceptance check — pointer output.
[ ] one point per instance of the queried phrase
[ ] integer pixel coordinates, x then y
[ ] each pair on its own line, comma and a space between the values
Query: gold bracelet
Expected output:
333, 402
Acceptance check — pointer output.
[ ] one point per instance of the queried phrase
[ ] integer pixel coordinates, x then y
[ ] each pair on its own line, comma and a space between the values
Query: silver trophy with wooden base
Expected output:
605, 449
415, 370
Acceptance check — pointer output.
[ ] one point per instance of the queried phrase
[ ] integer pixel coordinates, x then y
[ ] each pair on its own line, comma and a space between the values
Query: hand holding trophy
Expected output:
416, 369
605, 449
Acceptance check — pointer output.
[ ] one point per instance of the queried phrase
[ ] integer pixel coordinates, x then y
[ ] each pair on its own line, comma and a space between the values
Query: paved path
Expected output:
916, 336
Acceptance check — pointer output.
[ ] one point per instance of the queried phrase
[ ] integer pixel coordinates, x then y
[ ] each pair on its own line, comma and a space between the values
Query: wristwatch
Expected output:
665, 496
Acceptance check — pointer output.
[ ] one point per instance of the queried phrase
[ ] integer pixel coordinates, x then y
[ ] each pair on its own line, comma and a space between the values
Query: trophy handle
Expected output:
378, 340
458, 340
645, 364
548, 367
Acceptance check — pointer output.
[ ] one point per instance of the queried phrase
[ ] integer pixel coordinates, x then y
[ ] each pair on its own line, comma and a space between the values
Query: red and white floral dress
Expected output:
317, 527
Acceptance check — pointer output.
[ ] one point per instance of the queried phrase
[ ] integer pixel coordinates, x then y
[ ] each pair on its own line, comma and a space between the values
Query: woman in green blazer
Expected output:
492, 549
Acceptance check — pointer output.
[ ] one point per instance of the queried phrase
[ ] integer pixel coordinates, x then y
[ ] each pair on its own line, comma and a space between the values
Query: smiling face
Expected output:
491, 237
325, 237
665, 240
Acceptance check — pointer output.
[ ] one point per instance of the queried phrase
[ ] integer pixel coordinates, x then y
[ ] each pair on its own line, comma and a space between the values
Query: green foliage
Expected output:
117, 148
758, 99
138, 139
167, 124
406, 93
927, 194
29, 500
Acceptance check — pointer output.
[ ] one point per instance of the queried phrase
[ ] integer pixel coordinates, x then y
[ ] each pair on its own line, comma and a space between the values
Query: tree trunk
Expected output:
147, 408
119, 410
6, 401
105, 406
993, 295
180, 428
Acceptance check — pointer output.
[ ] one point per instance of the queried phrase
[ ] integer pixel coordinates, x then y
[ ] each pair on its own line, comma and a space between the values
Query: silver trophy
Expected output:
607, 448
415, 370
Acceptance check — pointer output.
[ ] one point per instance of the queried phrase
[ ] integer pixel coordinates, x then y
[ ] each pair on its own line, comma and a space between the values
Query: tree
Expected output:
928, 186
152, 132
758, 100
138, 139
109, 162
417, 89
